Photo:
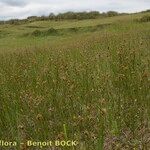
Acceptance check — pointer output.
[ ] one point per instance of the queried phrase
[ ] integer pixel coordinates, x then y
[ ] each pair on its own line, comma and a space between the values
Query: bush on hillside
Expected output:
36, 33
112, 13
145, 18
52, 31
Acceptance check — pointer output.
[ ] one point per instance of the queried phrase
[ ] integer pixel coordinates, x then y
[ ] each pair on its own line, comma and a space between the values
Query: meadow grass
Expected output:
92, 87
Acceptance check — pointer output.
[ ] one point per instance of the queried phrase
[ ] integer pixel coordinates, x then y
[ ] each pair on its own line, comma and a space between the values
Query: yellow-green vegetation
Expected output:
77, 80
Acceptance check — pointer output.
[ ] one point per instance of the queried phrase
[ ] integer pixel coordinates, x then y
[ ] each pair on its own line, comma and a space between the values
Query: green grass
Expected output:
91, 85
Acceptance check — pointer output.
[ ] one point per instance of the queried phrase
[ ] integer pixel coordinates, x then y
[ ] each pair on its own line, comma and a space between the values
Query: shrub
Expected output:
145, 18
112, 13
2, 22
73, 29
36, 33
52, 31
14, 21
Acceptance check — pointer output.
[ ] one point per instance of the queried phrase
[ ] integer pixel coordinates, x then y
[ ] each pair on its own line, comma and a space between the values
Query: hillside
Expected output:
84, 80
16, 35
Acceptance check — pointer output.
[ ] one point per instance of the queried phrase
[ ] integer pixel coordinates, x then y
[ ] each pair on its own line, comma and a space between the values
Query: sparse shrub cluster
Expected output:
51, 31
145, 18
146, 11
2, 22
111, 13
36, 33
55, 32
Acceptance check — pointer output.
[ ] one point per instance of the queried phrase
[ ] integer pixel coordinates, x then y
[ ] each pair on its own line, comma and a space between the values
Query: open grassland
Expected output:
24, 36
77, 80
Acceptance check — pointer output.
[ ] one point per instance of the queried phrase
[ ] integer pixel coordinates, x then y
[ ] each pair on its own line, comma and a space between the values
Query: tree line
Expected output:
65, 16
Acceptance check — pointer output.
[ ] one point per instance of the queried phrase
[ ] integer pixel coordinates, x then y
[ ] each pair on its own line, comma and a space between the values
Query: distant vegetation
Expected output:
146, 11
145, 18
65, 16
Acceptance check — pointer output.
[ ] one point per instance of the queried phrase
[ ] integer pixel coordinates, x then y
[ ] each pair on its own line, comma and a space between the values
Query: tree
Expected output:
112, 13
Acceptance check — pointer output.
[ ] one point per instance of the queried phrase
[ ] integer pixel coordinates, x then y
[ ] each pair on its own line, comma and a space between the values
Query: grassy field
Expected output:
76, 80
